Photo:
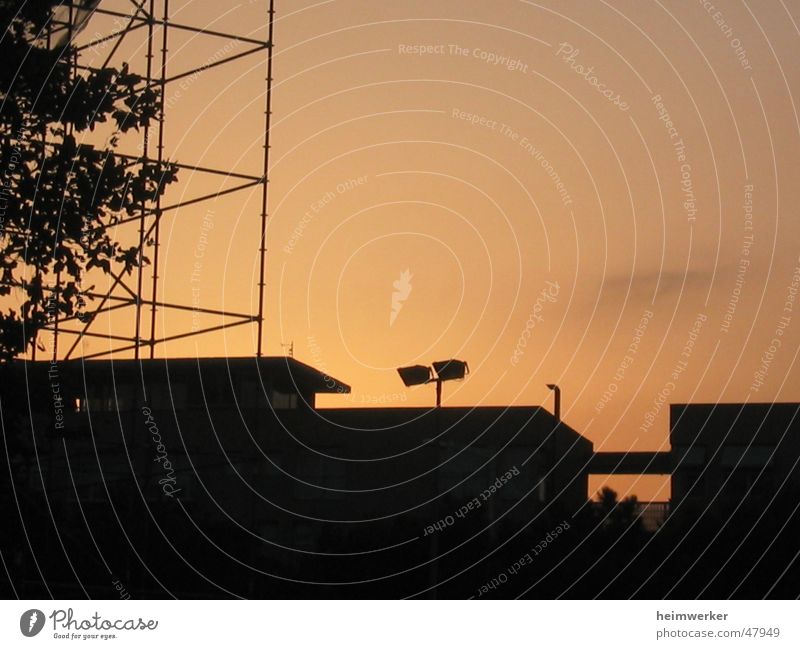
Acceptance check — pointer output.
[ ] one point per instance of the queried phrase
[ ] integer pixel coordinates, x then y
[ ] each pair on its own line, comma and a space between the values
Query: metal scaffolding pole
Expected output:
265, 188
143, 15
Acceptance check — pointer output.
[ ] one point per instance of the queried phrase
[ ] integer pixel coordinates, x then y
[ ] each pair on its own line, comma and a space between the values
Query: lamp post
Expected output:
557, 404
556, 475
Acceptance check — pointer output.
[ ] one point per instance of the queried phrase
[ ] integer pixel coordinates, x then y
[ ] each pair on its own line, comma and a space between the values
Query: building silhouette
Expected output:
721, 453
155, 472
242, 437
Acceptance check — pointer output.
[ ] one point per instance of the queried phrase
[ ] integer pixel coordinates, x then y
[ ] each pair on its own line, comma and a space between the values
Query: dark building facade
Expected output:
221, 477
240, 440
242, 437
723, 452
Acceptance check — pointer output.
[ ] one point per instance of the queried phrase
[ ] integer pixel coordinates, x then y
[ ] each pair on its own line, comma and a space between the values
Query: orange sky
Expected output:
523, 201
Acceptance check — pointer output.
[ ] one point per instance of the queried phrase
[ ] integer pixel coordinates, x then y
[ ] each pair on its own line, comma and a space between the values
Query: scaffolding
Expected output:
149, 20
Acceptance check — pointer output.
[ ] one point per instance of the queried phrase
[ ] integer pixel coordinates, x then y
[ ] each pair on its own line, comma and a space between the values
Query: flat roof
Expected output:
282, 370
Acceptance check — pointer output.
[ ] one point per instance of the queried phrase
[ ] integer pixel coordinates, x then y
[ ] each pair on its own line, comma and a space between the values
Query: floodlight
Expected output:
451, 370
415, 375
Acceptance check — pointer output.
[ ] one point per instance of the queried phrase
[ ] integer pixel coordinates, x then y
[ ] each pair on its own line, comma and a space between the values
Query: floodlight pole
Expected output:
438, 393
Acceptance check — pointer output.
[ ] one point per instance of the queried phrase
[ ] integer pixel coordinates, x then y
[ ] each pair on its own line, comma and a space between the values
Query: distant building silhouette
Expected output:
726, 451
720, 453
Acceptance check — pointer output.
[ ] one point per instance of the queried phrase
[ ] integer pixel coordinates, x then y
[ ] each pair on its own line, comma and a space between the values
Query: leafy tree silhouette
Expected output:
618, 517
58, 195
